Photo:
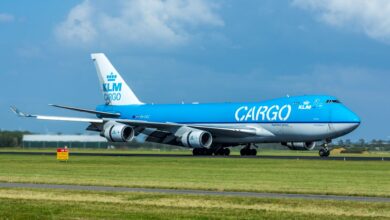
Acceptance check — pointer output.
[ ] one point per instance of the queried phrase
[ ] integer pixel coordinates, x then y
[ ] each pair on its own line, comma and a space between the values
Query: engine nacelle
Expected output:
197, 139
117, 132
300, 145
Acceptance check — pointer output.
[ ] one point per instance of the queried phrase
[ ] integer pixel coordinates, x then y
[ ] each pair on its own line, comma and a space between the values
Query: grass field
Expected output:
54, 204
369, 178
60, 204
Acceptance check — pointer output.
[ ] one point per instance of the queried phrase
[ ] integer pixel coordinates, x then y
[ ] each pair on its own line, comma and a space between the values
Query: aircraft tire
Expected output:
243, 152
324, 152
195, 152
247, 152
226, 151
253, 152
219, 151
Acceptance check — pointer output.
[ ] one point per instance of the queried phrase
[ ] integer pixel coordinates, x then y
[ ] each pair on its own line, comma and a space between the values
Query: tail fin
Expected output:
114, 88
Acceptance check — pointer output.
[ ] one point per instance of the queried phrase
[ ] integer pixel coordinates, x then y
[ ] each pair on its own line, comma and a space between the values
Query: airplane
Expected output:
298, 122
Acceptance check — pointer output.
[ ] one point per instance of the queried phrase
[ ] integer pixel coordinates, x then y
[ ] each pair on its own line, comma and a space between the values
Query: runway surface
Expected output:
357, 158
196, 192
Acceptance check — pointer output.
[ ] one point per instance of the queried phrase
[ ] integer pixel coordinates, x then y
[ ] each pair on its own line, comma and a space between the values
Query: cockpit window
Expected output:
333, 101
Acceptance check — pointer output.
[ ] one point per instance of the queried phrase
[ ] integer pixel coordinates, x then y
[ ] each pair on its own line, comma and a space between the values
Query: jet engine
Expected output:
117, 132
197, 139
300, 145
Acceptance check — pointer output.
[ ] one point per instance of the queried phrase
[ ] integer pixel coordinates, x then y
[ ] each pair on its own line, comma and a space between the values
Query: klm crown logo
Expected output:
111, 85
111, 77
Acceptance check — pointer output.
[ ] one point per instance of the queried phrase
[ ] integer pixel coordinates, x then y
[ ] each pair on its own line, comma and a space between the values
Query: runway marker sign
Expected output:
62, 154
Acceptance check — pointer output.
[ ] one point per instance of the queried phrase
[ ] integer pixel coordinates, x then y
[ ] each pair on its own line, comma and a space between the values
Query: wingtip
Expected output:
19, 113
15, 110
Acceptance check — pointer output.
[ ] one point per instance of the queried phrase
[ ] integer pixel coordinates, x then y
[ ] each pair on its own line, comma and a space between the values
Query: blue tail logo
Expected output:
111, 86
111, 77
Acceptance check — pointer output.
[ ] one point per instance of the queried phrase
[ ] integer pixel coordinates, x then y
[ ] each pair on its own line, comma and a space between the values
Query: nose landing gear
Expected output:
324, 151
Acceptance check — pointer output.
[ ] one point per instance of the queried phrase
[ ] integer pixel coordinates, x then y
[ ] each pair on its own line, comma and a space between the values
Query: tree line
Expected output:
12, 138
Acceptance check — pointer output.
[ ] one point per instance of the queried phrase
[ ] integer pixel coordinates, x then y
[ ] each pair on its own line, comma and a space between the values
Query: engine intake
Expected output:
197, 139
300, 145
117, 132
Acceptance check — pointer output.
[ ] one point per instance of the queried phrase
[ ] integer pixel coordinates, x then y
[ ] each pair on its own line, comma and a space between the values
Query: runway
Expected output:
196, 192
357, 158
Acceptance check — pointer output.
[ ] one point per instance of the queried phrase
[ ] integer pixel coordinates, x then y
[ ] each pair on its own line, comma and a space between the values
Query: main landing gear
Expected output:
209, 152
324, 151
222, 152
248, 151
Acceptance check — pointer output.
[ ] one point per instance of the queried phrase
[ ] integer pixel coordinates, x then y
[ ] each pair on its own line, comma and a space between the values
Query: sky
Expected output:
176, 51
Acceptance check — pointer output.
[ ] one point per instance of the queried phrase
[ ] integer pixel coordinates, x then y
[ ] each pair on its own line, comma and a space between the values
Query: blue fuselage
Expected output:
300, 109
299, 118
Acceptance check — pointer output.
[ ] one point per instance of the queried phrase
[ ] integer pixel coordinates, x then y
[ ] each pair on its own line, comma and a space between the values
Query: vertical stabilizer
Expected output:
114, 88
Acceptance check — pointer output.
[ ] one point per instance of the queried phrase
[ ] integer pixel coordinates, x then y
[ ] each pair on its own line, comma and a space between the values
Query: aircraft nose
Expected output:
353, 121
353, 117
348, 121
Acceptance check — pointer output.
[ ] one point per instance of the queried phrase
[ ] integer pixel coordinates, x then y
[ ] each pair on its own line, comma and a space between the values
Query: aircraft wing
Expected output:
56, 118
161, 126
217, 131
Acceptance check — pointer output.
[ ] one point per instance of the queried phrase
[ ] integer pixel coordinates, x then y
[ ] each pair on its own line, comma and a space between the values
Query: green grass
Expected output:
369, 178
61, 204
186, 151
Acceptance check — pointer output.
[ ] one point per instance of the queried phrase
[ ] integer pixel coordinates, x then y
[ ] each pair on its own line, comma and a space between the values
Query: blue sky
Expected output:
206, 51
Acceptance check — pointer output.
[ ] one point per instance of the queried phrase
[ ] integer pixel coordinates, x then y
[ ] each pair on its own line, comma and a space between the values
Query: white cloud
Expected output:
78, 26
4, 17
371, 17
146, 22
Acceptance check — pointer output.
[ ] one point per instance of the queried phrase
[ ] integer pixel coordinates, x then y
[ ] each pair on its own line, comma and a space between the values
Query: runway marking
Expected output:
196, 192
357, 158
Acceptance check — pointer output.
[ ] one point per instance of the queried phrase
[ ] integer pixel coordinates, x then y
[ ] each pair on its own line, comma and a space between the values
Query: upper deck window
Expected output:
333, 101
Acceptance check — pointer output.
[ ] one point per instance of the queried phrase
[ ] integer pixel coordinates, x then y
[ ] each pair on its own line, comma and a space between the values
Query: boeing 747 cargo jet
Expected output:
211, 129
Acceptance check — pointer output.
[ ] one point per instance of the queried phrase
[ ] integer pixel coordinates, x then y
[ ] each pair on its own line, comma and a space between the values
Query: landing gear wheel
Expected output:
247, 151
222, 152
226, 151
253, 152
324, 152
195, 152
202, 151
